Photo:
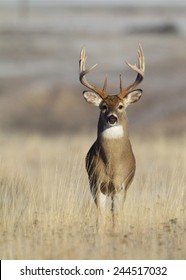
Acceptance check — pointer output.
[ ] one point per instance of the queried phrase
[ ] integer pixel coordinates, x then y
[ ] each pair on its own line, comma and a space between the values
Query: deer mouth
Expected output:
112, 120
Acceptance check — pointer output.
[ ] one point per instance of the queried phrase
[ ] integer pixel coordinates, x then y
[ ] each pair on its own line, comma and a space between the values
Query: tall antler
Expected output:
83, 71
140, 74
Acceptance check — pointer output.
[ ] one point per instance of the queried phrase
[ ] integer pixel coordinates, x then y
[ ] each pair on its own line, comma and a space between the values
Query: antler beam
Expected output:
140, 69
83, 71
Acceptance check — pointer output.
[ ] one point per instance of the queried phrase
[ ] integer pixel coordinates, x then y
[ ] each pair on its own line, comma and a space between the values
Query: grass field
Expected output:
47, 212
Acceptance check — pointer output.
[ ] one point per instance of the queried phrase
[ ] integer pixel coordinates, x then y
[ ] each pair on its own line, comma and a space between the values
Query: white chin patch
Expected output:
113, 132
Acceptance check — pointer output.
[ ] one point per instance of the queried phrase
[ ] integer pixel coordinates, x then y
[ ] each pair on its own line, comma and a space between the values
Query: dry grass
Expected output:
46, 210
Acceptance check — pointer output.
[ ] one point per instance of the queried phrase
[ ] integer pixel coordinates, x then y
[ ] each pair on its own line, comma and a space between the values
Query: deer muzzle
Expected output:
112, 119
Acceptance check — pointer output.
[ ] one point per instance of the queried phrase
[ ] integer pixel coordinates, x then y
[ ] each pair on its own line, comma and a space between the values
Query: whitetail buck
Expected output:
110, 162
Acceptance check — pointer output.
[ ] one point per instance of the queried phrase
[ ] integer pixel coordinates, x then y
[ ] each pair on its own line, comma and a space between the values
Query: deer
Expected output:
110, 162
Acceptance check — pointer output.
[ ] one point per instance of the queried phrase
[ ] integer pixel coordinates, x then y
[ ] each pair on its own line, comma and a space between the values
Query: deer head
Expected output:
112, 107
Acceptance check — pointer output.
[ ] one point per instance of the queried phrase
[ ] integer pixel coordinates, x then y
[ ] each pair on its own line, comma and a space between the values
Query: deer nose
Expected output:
112, 119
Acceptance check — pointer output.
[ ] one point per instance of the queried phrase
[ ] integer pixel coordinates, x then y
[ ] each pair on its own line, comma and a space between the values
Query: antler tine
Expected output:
83, 71
140, 69
141, 61
121, 85
105, 86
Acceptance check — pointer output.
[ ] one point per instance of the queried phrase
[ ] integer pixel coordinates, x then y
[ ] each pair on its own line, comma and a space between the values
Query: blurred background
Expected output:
40, 42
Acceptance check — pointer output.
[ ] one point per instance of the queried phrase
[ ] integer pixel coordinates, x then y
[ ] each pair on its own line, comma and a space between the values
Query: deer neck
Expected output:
113, 140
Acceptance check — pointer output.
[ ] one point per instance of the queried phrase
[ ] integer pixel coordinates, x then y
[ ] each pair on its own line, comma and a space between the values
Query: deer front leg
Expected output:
101, 201
118, 200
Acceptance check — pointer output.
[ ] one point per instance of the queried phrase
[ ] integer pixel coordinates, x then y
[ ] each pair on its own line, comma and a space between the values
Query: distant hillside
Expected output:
39, 79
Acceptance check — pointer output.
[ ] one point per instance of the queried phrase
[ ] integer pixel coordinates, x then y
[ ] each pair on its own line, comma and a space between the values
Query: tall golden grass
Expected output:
47, 212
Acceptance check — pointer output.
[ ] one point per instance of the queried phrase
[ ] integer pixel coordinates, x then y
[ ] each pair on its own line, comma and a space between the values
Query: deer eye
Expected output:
104, 108
120, 107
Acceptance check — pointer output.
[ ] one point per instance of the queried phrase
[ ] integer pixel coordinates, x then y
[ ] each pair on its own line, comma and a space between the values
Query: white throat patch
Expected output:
113, 132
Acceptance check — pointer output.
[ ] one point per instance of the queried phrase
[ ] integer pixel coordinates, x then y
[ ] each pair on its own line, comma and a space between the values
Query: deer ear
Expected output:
133, 96
92, 98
